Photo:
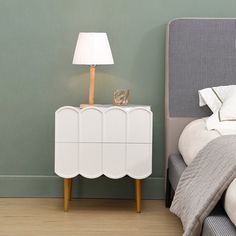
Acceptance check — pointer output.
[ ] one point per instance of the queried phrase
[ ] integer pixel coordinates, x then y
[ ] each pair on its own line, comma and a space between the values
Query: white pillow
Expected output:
215, 96
224, 119
228, 110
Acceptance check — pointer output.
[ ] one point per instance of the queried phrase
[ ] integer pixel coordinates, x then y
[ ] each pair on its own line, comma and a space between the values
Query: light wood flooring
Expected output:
95, 217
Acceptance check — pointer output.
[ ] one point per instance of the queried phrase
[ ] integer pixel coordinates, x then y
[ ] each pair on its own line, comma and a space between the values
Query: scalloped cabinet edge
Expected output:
112, 141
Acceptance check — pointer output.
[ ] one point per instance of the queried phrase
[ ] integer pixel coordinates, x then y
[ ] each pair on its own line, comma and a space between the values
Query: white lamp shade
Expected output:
93, 49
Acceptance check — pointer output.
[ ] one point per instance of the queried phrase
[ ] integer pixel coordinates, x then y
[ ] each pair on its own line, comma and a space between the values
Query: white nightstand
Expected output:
103, 140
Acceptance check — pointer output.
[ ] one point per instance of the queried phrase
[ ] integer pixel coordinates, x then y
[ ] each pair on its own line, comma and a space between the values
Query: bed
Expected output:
200, 53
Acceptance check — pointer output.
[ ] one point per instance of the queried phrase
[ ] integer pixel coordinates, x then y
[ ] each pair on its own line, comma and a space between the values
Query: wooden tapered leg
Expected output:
66, 193
70, 188
138, 194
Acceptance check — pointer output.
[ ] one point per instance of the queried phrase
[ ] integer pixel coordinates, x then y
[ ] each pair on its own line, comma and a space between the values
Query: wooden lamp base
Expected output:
91, 87
91, 84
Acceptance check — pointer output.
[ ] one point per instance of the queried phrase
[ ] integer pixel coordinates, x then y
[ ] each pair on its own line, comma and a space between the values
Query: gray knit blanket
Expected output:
203, 182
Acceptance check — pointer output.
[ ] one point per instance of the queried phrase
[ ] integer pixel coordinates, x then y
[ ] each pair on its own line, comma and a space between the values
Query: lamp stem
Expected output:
91, 85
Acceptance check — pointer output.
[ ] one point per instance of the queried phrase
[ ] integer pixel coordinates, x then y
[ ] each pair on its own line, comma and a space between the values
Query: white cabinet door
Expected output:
114, 160
139, 126
91, 125
67, 125
115, 125
90, 159
66, 159
139, 160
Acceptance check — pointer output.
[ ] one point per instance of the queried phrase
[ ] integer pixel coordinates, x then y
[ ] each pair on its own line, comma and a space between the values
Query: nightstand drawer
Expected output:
114, 160
67, 125
139, 127
90, 159
66, 159
139, 160
115, 125
91, 120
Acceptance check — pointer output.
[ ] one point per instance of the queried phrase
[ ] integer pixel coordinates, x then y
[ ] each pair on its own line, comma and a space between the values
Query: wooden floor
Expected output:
44, 217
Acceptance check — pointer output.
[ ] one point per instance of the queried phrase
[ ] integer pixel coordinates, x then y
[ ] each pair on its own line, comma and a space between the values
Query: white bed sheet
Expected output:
193, 138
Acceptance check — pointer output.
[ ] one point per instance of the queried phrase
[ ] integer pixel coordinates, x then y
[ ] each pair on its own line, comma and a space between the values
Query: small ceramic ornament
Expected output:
121, 97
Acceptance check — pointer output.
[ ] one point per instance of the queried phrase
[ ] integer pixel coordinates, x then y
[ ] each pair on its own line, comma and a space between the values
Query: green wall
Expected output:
37, 42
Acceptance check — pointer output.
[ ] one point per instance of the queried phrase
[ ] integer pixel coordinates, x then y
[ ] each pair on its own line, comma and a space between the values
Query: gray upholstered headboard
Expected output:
200, 53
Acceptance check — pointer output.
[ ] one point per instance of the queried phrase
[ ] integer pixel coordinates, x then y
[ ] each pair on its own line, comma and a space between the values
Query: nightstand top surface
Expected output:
104, 107
107, 106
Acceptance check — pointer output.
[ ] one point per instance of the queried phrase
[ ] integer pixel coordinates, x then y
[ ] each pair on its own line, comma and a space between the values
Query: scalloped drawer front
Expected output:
90, 159
139, 126
114, 160
91, 125
139, 160
66, 159
67, 126
115, 126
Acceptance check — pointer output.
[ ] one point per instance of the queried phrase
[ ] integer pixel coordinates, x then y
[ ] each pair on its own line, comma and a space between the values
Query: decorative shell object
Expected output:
121, 97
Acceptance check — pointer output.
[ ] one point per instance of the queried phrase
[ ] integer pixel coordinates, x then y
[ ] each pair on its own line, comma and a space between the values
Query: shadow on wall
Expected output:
105, 84
149, 64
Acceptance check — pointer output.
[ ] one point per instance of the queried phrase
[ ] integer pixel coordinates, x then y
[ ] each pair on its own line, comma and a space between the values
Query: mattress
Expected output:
217, 223
193, 138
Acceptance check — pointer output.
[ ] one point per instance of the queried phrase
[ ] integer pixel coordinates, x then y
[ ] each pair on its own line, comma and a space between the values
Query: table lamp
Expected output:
92, 49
